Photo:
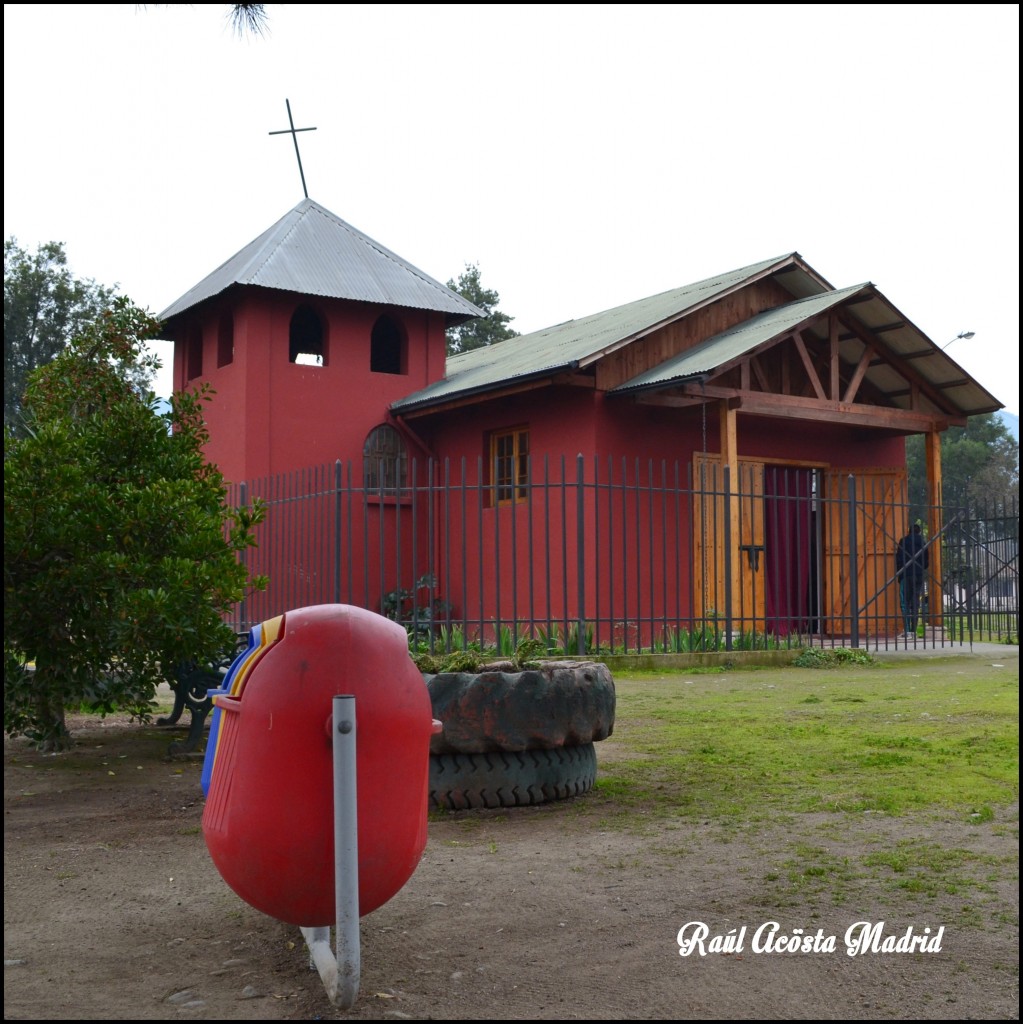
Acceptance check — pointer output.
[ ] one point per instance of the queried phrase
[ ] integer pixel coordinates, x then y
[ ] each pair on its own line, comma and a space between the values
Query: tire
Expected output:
510, 779
557, 705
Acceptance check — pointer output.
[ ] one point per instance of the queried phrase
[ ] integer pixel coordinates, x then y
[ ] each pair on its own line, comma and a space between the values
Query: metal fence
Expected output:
611, 556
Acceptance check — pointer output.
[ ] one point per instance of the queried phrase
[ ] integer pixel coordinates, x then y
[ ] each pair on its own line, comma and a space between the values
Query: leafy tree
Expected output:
979, 465
120, 553
485, 331
44, 306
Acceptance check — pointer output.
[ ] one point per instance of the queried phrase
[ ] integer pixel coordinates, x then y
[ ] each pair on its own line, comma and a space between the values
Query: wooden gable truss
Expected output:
824, 370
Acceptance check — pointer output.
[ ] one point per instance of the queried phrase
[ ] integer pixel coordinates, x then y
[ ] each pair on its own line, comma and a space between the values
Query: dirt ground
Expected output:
113, 910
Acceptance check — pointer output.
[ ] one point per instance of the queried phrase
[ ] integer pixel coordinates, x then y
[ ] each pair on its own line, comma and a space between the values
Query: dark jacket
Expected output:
912, 556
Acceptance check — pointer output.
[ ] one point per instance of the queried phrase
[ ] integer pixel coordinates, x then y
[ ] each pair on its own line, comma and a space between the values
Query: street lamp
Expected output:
962, 334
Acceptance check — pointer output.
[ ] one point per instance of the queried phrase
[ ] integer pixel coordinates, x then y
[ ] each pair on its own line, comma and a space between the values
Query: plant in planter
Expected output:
416, 608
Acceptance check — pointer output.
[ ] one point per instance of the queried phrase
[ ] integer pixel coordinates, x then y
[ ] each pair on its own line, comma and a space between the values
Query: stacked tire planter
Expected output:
513, 738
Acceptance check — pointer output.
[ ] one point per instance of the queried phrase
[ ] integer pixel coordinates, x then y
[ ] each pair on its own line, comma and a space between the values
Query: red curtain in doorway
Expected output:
789, 543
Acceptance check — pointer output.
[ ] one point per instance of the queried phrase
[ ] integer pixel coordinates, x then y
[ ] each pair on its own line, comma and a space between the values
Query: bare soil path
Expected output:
113, 910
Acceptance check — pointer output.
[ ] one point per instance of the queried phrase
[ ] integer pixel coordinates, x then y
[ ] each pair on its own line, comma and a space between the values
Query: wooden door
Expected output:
745, 527
879, 518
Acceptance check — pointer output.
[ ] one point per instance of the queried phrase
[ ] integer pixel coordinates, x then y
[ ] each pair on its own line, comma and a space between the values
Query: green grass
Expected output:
929, 735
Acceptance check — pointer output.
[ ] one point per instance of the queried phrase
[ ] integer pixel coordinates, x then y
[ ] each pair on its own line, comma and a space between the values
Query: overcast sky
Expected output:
584, 156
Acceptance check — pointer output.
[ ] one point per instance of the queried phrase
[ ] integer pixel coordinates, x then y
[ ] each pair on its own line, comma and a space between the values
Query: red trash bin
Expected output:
268, 820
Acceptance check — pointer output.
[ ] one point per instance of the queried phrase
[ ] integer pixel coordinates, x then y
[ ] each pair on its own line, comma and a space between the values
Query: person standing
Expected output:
911, 562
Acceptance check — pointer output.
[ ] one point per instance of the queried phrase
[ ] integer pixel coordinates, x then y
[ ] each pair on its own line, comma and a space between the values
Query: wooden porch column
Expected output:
936, 597
730, 459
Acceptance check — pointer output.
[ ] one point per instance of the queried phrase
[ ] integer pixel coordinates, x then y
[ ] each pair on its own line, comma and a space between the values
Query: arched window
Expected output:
384, 461
307, 339
388, 347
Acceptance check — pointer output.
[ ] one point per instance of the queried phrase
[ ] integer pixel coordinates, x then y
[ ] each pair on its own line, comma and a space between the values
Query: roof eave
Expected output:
435, 404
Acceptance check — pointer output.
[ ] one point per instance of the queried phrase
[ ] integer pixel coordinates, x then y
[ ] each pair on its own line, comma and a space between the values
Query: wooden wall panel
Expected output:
648, 352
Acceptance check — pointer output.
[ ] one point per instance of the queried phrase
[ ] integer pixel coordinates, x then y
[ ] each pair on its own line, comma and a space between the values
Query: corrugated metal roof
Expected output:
896, 340
312, 251
578, 342
706, 357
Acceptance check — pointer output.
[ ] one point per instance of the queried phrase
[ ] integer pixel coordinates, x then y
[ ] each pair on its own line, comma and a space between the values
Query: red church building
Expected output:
730, 451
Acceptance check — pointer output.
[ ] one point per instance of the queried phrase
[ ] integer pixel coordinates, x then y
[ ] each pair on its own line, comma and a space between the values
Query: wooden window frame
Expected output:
378, 460
508, 457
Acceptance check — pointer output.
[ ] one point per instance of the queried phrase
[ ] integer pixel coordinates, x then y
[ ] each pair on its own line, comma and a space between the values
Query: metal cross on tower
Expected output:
293, 132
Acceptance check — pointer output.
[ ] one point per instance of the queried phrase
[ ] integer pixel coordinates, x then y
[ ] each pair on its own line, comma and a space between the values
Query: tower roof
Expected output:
312, 251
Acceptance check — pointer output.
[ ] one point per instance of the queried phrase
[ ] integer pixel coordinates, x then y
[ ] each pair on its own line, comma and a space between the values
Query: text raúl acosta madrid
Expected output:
861, 937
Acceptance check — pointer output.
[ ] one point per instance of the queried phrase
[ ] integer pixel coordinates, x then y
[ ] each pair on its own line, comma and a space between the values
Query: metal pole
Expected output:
341, 972
346, 854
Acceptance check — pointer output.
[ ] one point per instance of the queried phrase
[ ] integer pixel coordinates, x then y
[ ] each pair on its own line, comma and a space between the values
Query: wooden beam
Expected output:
576, 380
835, 361
861, 368
659, 398
958, 383
729, 439
900, 364
796, 407
935, 595
811, 372
759, 373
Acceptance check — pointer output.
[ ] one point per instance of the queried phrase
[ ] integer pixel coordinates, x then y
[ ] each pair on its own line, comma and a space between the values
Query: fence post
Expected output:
1014, 590
337, 531
854, 588
726, 481
580, 554
242, 624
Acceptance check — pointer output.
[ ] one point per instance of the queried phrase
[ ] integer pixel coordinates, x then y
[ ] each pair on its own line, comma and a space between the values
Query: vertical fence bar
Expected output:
349, 547
431, 550
515, 556
651, 603
854, 589
398, 567
1012, 583
465, 562
691, 548
726, 482
496, 571
337, 532
664, 549
625, 553
382, 544
637, 524
547, 547
492, 493
611, 551
529, 529
243, 495
580, 528
364, 493
677, 488
414, 575
448, 582
596, 554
